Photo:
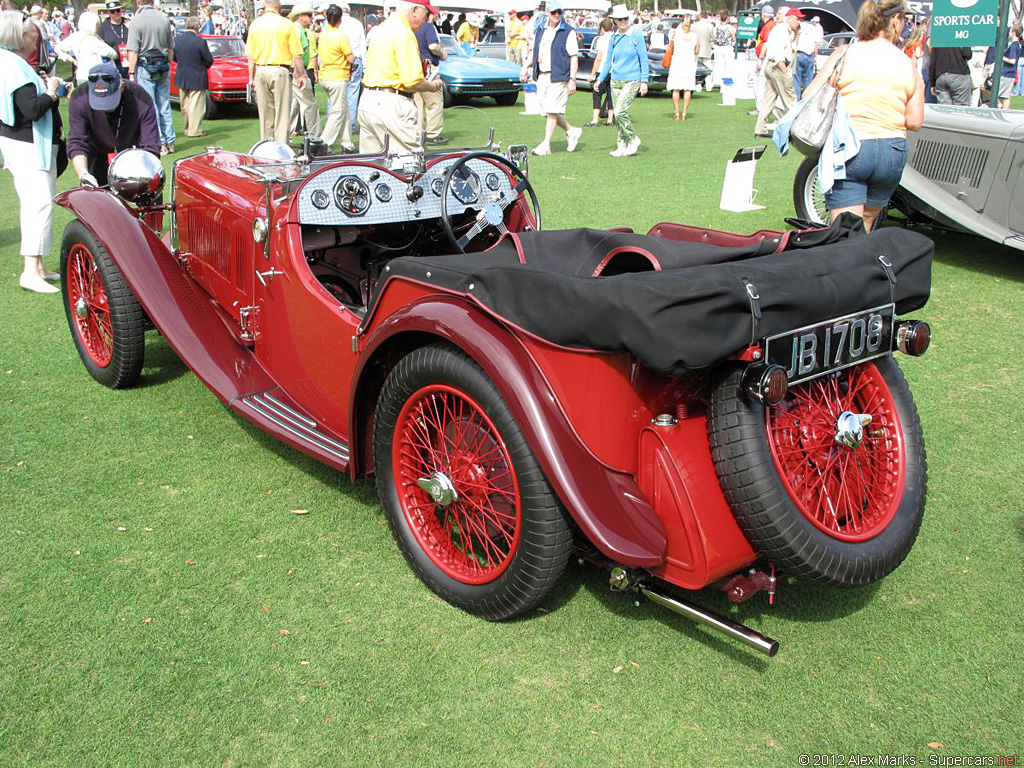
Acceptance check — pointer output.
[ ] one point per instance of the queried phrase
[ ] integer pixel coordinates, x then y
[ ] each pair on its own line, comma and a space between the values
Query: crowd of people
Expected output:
381, 80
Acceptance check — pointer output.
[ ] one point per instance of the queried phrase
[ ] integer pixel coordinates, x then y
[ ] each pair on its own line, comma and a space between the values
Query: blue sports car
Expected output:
467, 77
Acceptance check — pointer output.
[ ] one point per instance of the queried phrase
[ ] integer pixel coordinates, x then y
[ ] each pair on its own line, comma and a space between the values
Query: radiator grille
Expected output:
216, 246
949, 163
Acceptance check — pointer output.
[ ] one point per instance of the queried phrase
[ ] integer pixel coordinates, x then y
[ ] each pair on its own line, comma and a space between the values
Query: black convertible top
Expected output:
679, 306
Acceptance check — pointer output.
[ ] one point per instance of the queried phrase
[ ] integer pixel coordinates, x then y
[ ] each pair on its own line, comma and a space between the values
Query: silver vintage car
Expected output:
964, 173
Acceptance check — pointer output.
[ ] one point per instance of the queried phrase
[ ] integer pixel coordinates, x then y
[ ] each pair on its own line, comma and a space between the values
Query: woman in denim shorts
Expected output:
884, 96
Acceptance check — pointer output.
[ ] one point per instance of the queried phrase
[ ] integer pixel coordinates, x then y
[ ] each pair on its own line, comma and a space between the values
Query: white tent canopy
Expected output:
502, 7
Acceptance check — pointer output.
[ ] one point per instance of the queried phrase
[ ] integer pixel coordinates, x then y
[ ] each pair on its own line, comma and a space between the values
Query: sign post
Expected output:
997, 67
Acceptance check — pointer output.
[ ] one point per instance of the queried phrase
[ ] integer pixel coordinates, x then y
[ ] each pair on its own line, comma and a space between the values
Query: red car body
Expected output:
258, 325
229, 74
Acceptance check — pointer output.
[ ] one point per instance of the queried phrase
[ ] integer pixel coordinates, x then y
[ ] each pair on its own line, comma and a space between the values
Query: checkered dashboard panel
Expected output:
353, 194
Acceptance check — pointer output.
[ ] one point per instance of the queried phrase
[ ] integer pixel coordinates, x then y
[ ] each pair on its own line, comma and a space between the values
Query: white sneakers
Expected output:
36, 284
625, 150
542, 149
619, 150
573, 137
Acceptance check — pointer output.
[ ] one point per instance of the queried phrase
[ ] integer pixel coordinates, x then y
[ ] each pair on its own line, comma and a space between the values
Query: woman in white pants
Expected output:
29, 133
336, 59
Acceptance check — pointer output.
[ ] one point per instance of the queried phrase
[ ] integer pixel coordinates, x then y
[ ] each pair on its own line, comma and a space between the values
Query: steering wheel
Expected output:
494, 203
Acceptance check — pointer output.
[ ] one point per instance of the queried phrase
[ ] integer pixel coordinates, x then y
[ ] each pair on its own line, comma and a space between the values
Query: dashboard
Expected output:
352, 194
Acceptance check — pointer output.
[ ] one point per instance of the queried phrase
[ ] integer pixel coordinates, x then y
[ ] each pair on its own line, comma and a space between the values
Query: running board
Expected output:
276, 413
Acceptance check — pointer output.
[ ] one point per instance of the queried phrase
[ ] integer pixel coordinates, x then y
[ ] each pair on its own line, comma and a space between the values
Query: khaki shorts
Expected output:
552, 96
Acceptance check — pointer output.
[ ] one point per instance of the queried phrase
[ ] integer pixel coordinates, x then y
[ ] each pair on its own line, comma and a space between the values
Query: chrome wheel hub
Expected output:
850, 428
440, 488
81, 309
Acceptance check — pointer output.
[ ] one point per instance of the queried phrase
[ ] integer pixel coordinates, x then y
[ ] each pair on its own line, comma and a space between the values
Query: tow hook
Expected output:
744, 586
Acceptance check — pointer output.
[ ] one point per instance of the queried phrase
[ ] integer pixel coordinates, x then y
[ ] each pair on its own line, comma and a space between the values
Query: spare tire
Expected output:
824, 511
808, 200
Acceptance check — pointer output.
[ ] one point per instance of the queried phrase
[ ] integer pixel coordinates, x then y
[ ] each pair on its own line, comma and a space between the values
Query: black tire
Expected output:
106, 321
807, 199
447, 99
212, 107
507, 99
483, 452
852, 485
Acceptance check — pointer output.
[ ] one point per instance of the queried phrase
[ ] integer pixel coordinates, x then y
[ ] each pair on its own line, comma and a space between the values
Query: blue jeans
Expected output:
354, 85
929, 97
159, 89
803, 73
1018, 87
872, 175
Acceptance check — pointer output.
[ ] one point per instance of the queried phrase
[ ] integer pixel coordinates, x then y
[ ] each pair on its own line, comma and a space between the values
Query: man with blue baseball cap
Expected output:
108, 114
555, 57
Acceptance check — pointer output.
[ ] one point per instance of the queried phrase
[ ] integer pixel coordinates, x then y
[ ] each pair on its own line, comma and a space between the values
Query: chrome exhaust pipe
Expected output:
734, 629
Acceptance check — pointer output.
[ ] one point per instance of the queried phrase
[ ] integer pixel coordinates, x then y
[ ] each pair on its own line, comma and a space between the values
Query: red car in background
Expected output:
229, 74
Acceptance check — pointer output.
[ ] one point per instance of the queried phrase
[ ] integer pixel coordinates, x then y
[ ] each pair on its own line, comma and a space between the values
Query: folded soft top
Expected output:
675, 305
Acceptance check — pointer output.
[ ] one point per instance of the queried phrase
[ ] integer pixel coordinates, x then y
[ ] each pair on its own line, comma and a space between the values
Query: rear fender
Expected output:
606, 504
179, 309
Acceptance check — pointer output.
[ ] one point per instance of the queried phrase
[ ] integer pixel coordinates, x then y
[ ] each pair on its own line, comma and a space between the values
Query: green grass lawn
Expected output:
161, 605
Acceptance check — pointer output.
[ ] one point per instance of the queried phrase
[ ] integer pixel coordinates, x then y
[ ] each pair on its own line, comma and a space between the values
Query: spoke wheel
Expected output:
849, 492
445, 436
463, 493
829, 485
808, 199
106, 321
87, 299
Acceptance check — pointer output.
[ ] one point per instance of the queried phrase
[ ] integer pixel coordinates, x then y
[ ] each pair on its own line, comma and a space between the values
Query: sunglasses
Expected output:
103, 78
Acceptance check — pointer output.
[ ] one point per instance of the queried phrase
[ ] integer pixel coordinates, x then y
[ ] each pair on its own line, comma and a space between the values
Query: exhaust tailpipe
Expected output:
734, 629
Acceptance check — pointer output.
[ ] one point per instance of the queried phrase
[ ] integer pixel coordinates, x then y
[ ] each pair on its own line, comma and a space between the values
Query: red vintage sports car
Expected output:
229, 74
686, 407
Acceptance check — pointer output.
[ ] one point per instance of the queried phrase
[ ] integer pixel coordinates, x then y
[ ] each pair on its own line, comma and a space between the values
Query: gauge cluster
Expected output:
361, 194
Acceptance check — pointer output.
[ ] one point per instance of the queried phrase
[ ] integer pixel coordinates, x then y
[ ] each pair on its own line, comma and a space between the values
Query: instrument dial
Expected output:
492, 182
351, 195
466, 185
383, 192
435, 186
320, 199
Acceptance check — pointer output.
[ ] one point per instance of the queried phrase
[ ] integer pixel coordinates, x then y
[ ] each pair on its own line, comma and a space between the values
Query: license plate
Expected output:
809, 352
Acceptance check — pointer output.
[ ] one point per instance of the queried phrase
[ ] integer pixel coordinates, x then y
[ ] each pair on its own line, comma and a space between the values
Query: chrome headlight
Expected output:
272, 151
137, 176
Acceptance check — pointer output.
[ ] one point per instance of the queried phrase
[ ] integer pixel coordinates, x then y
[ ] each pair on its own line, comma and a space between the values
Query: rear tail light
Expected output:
913, 337
767, 384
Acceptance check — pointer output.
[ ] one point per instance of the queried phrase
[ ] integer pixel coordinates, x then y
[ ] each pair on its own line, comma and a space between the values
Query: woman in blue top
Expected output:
29, 135
627, 62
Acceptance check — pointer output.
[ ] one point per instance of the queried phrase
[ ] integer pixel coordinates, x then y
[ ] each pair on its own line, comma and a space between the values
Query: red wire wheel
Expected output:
464, 496
87, 299
106, 321
830, 484
445, 436
849, 492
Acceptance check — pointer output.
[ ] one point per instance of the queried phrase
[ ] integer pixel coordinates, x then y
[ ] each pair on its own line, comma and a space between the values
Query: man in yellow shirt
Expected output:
468, 35
303, 99
275, 56
394, 72
515, 33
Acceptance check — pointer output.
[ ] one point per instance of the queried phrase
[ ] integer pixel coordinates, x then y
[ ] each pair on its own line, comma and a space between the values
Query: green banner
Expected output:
746, 27
957, 23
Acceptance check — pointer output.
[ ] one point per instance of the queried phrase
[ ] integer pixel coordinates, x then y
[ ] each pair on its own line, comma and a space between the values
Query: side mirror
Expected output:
519, 154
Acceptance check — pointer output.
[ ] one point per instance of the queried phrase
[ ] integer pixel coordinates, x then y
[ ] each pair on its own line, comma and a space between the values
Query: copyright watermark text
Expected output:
825, 760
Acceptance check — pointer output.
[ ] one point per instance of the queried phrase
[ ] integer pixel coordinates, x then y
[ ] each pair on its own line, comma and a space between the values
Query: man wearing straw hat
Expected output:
275, 55
303, 98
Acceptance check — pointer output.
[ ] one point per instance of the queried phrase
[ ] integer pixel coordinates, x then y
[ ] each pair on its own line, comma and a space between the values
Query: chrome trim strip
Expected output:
300, 416
298, 430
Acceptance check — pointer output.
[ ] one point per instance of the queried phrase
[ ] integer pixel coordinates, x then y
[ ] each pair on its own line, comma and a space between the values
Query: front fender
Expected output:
606, 504
181, 311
